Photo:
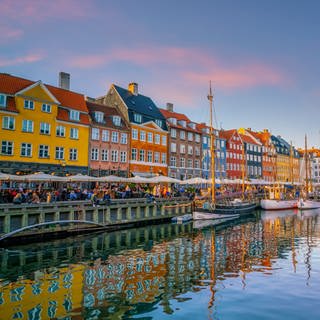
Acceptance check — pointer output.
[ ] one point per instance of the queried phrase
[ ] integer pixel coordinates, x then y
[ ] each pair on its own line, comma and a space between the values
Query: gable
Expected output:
152, 125
39, 91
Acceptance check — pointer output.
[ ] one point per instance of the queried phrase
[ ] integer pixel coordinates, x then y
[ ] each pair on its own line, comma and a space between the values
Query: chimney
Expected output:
170, 106
265, 130
64, 80
133, 88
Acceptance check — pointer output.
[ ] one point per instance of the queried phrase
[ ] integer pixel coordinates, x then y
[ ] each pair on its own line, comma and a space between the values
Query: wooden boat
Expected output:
220, 219
211, 207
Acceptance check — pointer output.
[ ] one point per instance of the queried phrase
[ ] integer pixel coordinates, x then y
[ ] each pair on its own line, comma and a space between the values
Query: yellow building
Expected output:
43, 128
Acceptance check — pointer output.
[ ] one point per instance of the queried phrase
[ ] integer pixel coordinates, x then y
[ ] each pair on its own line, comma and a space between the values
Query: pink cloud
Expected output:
39, 10
7, 33
30, 58
190, 65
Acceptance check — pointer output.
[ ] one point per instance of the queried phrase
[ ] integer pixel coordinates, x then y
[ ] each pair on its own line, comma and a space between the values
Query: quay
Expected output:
31, 222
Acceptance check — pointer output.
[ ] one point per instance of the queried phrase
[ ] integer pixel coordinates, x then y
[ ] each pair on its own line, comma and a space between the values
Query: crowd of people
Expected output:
97, 194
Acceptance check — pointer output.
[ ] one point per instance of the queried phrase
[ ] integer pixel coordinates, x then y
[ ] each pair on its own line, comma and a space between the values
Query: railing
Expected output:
50, 219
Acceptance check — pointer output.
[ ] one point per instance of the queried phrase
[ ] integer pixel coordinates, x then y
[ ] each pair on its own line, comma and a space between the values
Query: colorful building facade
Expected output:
43, 128
149, 134
184, 151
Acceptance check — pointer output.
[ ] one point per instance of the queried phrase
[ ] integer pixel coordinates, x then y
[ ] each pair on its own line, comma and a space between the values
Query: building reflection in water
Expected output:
135, 271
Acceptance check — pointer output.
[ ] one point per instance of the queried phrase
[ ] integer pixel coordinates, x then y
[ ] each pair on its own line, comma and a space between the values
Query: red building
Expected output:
234, 153
109, 141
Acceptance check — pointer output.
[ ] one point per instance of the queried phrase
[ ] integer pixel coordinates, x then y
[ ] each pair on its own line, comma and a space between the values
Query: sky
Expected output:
262, 56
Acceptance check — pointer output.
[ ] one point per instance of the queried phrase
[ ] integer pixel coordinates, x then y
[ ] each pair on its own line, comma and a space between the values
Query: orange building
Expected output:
149, 133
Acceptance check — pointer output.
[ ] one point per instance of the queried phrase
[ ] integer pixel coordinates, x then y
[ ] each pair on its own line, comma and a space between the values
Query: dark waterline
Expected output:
264, 266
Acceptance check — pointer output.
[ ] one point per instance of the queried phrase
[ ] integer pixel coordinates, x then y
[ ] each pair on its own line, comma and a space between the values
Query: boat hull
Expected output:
308, 204
268, 204
222, 211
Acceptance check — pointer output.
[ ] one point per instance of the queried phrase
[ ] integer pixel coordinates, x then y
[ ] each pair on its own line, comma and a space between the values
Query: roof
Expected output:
247, 139
140, 104
10, 85
227, 134
108, 113
180, 117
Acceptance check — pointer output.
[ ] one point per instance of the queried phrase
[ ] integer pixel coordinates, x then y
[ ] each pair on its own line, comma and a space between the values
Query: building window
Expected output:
150, 137
157, 157
59, 153
95, 134
124, 138
123, 156
95, 154
196, 164
7, 147
73, 154
115, 136
190, 163
142, 135
133, 154
164, 140
60, 131
190, 136
190, 150
163, 157
44, 128
137, 118
27, 125
159, 123
104, 155
173, 147
141, 155
3, 100
173, 133
149, 156
8, 123
182, 162
74, 115
116, 120
46, 108
43, 151
197, 137
74, 133
182, 135
197, 151
114, 155
98, 116
157, 138
28, 104
173, 161
173, 120
26, 150
105, 135
134, 134
182, 148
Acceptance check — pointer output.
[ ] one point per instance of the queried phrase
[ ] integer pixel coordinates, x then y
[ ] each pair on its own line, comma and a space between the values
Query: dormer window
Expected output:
137, 117
192, 125
98, 116
159, 122
3, 100
74, 115
183, 123
173, 120
116, 120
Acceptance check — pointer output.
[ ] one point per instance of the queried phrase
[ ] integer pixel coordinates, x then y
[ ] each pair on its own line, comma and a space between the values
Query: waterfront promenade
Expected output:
57, 219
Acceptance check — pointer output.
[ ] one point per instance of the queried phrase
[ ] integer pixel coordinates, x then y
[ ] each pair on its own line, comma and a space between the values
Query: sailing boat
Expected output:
304, 204
212, 209
276, 191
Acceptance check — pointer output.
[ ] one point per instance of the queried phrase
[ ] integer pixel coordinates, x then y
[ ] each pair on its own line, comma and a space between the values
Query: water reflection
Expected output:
151, 272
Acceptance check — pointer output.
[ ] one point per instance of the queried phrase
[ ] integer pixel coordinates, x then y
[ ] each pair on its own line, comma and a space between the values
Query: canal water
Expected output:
264, 266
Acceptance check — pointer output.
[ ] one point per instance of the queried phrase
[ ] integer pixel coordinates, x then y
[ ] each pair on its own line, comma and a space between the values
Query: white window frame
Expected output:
59, 153
104, 155
99, 116
157, 138
137, 117
123, 156
94, 154
46, 108
150, 137
115, 136
44, 150
123, 138
3, 100
142, 135
164, 140
134, 154
141, 155
114, 156
116, 120
27, 126
157, 157
74, 133
74, 115
8, 122
95, 134
73, 154
28, 104
7, 145
45, 127
173, 133
149, 156
105, 136
60, 131
134, 134
26, 148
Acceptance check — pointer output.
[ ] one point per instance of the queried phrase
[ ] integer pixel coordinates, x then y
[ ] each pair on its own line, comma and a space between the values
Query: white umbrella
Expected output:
163, 179
82, 178
196, 180
111, 178
41, 177
137, 179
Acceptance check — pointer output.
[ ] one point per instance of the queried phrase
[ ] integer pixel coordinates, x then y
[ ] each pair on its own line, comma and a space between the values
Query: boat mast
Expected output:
306, 164
243, 168
291, 163
212, 151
